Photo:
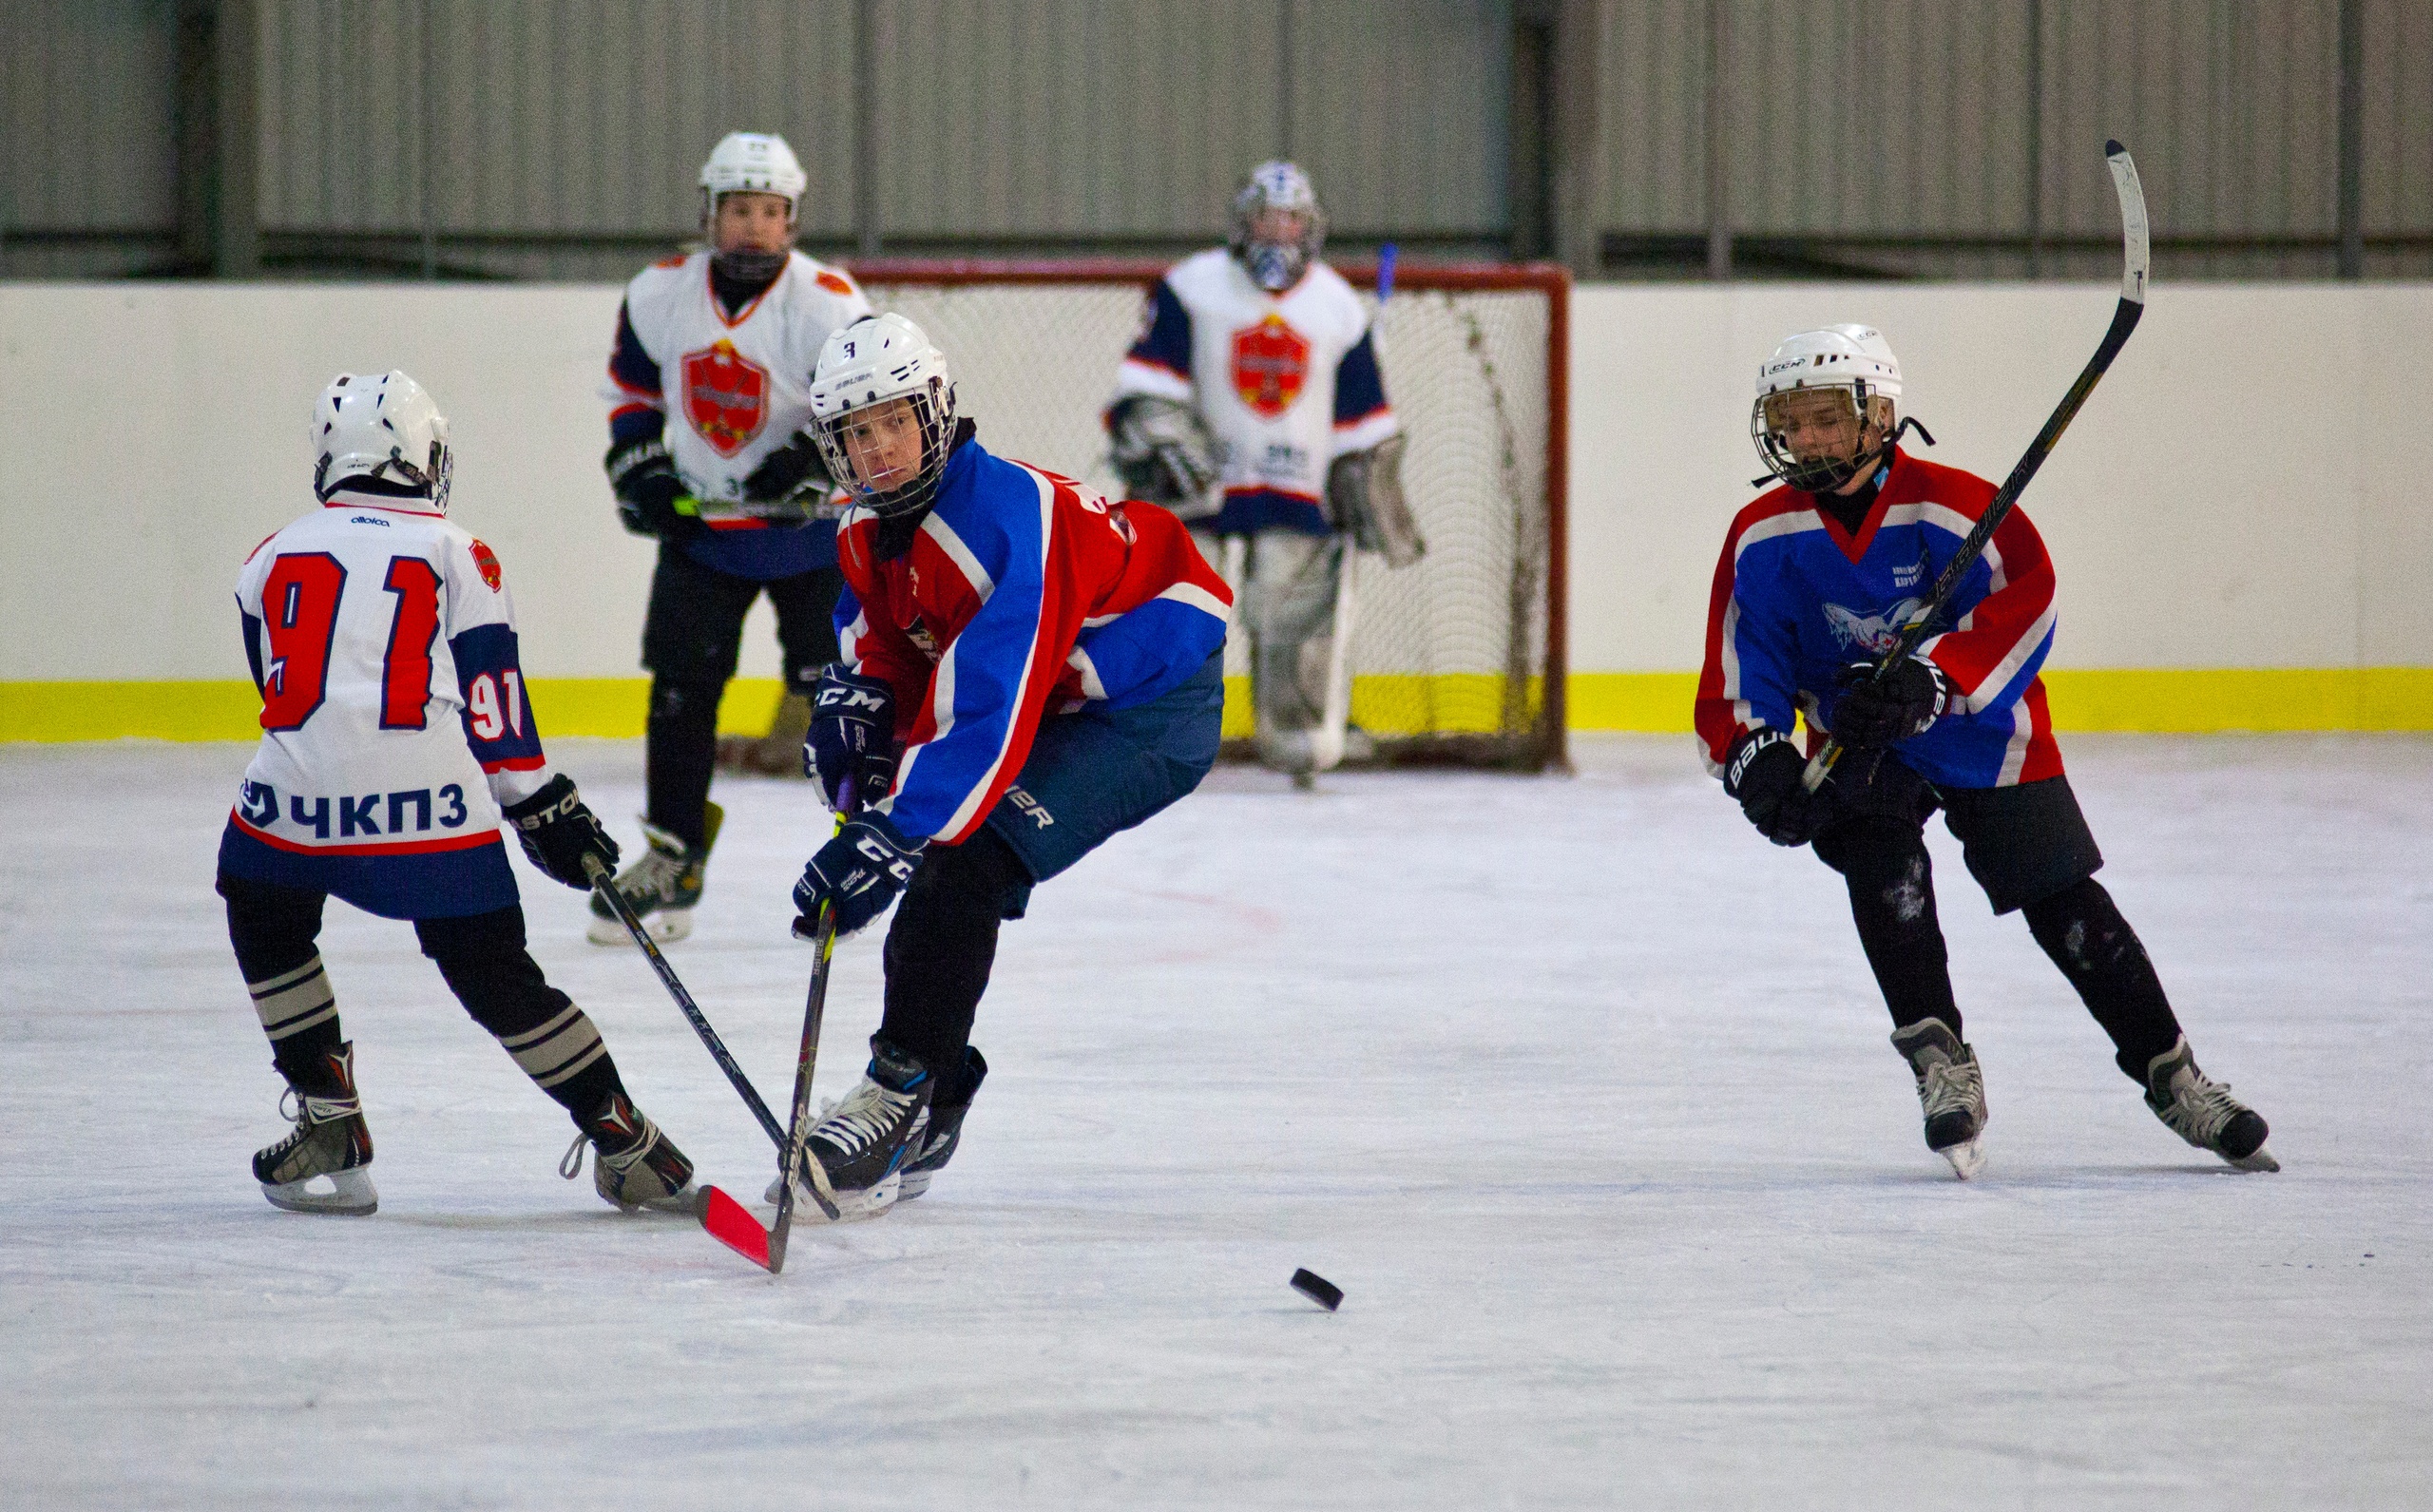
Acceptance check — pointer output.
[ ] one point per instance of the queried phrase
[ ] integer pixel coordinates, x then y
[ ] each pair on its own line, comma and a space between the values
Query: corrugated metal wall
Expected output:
559, 137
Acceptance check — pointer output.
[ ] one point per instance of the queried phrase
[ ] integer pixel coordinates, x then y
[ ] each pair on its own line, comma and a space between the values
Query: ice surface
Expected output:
1578, 1090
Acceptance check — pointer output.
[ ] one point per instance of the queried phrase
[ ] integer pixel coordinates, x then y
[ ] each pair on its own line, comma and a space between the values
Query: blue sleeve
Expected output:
498, 709
636, 376
1767, 645
1165, 341
253, 628
1359, 388
948, 781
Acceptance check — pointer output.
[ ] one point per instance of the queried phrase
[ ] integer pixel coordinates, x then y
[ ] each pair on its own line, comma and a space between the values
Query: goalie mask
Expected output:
1277, 226
882, 408
380, 434
1825, 410
751, 163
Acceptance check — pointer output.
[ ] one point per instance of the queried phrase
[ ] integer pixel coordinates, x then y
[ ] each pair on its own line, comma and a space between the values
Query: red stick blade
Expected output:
732, 1224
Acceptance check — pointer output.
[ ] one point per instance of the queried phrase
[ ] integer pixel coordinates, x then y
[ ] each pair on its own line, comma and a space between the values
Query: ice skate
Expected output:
937, 1143
634, 1166
863, 1142
1950, 1090
664, 887
2203, 1112
324, 1165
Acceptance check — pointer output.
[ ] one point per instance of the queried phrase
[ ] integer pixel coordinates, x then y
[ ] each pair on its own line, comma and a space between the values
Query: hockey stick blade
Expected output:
732, 1224
2136, 254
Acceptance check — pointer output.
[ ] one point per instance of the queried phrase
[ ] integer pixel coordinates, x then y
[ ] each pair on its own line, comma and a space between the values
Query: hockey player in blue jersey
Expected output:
1817, 580
397, 738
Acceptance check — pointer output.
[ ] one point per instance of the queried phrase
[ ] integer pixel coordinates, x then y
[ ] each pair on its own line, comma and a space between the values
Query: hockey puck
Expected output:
1318, 1289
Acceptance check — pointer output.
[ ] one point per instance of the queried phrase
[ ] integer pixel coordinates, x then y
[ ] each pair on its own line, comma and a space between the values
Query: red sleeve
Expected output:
2007, 627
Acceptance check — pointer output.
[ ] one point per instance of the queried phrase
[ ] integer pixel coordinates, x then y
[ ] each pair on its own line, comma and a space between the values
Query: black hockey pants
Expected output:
691, 639
482, 956
2030, 848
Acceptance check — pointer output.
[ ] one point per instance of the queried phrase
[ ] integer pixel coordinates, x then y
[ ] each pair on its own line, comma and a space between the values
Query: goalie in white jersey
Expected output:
1253, 406
397, 733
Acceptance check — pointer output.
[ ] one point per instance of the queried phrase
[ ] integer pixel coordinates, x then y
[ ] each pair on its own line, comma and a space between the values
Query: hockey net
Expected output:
1457, 660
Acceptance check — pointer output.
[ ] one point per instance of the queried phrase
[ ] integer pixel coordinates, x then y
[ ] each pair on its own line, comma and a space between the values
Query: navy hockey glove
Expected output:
794, 468
1877, 714
650, 497
558, 830
859, 872
1763, 771
851, 736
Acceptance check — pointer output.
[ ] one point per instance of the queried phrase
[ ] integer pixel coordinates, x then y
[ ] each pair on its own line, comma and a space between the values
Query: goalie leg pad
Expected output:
1287, 605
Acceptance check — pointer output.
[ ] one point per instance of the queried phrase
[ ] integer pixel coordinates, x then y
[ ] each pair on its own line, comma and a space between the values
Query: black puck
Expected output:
1318, 1289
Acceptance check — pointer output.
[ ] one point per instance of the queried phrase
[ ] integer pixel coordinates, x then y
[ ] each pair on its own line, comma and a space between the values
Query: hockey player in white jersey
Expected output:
710, 385
1253, 406
397, 734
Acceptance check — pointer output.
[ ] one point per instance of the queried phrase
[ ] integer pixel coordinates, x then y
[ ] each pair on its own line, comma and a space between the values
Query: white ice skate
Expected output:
664, 887
2202, 1111
1951, 1092
323, 1166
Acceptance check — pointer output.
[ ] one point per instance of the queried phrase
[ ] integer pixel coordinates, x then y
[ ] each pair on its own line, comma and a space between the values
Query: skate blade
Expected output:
851, 1207
2261, 1160
343, 1194
686, 1200
912, 1184
1967, 1159
664, 927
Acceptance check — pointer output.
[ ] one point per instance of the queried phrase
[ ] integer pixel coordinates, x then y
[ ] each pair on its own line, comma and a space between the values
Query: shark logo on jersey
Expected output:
726, 396
1874, 634
1271, 365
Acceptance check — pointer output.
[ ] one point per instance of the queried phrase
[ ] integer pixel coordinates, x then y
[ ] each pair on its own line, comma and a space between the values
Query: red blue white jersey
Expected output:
1797, 598
395, 716
1023, 594
1287, 383
725, 390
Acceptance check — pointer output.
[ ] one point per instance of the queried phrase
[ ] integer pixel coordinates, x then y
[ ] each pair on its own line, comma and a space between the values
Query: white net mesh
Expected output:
1449, 656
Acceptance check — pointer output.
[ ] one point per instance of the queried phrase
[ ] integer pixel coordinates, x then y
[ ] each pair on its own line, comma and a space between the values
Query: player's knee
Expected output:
2081, 929
680, 700
982, 878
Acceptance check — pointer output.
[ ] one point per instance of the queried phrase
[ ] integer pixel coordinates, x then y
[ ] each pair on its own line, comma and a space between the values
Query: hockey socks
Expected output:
2082, 930
502, 987
1892, 902
943, 942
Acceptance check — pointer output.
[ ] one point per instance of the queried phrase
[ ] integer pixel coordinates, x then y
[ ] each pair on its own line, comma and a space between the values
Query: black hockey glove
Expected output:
794, 475
558, 832
1763, 771
1875, 716
859, 872
650, 497
851, 737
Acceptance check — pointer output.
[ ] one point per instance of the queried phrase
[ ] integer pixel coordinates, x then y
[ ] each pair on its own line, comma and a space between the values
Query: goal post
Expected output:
1458, 659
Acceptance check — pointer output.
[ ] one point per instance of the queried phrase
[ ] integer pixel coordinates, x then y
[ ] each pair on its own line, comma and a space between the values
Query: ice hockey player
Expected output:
707, 453
395, 734
1817, 580
1027, 670
1252, 405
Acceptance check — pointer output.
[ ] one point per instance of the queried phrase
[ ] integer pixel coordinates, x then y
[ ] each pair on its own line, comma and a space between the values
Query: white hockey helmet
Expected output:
1852, 373
1276, 263
381, 429
871, 365
756, 163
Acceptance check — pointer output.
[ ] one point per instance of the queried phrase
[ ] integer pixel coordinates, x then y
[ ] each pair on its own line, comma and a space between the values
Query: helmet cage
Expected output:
932, 410
1277, 265
1819, 474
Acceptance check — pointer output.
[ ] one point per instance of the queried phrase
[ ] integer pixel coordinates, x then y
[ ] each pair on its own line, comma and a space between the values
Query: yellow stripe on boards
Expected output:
2201, 701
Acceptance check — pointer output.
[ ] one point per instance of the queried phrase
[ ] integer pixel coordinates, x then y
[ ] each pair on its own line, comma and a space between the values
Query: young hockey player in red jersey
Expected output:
1818, 578
394, 718
1028, 670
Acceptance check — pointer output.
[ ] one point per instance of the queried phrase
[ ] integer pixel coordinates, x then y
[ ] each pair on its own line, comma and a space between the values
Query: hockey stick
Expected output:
727, 1220
1326, 747
2124, 320
604, 884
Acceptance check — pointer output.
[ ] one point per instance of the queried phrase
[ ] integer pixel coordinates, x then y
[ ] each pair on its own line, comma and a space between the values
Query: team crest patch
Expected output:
726, 396
488, 562
1271, 364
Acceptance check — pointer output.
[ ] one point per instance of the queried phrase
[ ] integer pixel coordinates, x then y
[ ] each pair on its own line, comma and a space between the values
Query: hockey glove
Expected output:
859, 874
1763, 771
558, 830
1876, 713
792, 477
650, 497
851, 736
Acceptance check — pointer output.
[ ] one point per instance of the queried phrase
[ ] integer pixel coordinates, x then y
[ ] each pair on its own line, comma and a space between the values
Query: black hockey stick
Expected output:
604, 886
727, 1220
2124, 320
